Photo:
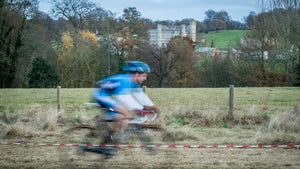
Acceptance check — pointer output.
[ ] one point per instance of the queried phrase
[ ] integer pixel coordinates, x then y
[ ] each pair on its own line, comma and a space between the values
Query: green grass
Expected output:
221, 39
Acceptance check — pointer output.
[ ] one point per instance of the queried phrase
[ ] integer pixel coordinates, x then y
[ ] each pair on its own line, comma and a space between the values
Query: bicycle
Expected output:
94, 137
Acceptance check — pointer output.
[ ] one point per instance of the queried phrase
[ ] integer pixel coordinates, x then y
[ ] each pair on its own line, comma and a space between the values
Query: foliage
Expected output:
125, 43
274, 40
13, 17
181, 55
42, 75
86, 43
76, 12
134, 33
172, 66
218, 24
221, 20
216, 72
77, 59
220, 72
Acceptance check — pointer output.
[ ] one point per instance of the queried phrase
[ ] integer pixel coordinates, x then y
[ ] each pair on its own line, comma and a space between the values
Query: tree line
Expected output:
86, 43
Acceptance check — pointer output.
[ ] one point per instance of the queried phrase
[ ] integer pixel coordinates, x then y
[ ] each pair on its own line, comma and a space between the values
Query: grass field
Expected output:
222, 39
195, 111
191, 116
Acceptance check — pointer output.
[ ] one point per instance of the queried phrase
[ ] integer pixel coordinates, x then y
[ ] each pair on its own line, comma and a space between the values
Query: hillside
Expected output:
222, 39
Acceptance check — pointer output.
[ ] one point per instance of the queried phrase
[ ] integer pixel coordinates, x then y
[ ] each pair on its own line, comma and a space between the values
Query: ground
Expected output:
19, 156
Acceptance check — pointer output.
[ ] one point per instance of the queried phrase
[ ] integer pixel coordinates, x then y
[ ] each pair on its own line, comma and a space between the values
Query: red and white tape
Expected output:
156, 146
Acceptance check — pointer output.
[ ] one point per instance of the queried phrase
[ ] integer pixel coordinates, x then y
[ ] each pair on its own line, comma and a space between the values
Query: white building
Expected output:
162, 34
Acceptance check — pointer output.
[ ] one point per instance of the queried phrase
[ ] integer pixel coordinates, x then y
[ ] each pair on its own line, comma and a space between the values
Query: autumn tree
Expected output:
78, 60
134, 26
182, 51
218, 24
131, 18
174, 65
125, 43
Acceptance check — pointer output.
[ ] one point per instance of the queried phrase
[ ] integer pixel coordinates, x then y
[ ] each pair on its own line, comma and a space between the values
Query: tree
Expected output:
181, 52
161, 65
76, 11
108, 52
216, 72
274, 39
131, 19
259, 41
13, 16
171, 66
78, 60
250, 19
132, 36
221, 18
210, 15
125, 43
42, 74
218, 24
222, 15
286, 14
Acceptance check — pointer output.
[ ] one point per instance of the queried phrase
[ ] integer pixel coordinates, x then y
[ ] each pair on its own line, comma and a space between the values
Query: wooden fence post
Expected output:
58, 99
231, 98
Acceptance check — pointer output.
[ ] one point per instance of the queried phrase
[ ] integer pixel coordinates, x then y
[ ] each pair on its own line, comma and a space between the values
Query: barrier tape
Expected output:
156, 146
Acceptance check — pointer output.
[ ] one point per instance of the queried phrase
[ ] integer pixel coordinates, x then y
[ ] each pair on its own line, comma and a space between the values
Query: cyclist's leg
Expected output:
119, 125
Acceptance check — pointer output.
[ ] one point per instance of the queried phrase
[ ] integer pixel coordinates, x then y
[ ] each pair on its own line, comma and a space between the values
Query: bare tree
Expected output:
76, 11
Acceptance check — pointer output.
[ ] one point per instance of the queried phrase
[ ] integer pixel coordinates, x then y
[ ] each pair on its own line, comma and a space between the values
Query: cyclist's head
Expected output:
139, 69
136, 67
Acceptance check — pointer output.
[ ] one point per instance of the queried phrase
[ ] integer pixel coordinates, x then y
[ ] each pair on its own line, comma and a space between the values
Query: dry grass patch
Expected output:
282, 129
289, 121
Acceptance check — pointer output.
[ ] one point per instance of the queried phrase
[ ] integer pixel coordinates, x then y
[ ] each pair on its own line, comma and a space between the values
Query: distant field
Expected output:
222, 39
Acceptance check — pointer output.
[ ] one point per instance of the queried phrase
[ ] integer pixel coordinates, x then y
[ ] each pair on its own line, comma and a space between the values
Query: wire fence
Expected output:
72, 100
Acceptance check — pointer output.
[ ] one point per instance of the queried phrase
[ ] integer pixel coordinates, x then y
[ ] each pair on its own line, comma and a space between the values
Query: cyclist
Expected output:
121, 94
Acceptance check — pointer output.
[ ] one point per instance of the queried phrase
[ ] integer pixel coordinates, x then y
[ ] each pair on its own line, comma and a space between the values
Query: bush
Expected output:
42, 75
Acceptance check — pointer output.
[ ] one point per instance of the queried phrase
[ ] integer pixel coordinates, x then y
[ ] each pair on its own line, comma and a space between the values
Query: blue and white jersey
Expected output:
115, 91
141, 96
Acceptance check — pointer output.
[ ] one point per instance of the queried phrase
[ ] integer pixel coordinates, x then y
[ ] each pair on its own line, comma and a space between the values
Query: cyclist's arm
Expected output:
141, 96
143, 99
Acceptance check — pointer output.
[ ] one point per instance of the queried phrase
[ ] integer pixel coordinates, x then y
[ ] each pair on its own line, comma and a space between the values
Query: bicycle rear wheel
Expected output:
86, 153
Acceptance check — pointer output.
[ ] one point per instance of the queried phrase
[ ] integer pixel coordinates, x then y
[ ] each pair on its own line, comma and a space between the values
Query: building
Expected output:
162, 34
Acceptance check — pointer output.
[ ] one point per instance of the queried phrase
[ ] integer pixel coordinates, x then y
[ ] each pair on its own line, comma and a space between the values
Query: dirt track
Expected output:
16, 156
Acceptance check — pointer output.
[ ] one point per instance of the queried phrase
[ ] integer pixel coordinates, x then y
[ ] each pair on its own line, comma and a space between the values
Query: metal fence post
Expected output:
58, 99
231, 98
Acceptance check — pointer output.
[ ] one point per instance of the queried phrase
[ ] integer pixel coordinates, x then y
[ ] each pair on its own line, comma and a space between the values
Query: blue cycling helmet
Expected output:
136, 66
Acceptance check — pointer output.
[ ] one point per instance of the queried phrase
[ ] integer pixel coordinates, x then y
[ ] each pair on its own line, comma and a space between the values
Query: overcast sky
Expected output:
174, 9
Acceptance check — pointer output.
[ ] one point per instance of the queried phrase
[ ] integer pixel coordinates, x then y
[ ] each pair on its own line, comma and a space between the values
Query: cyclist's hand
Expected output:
154, 108
124, 111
